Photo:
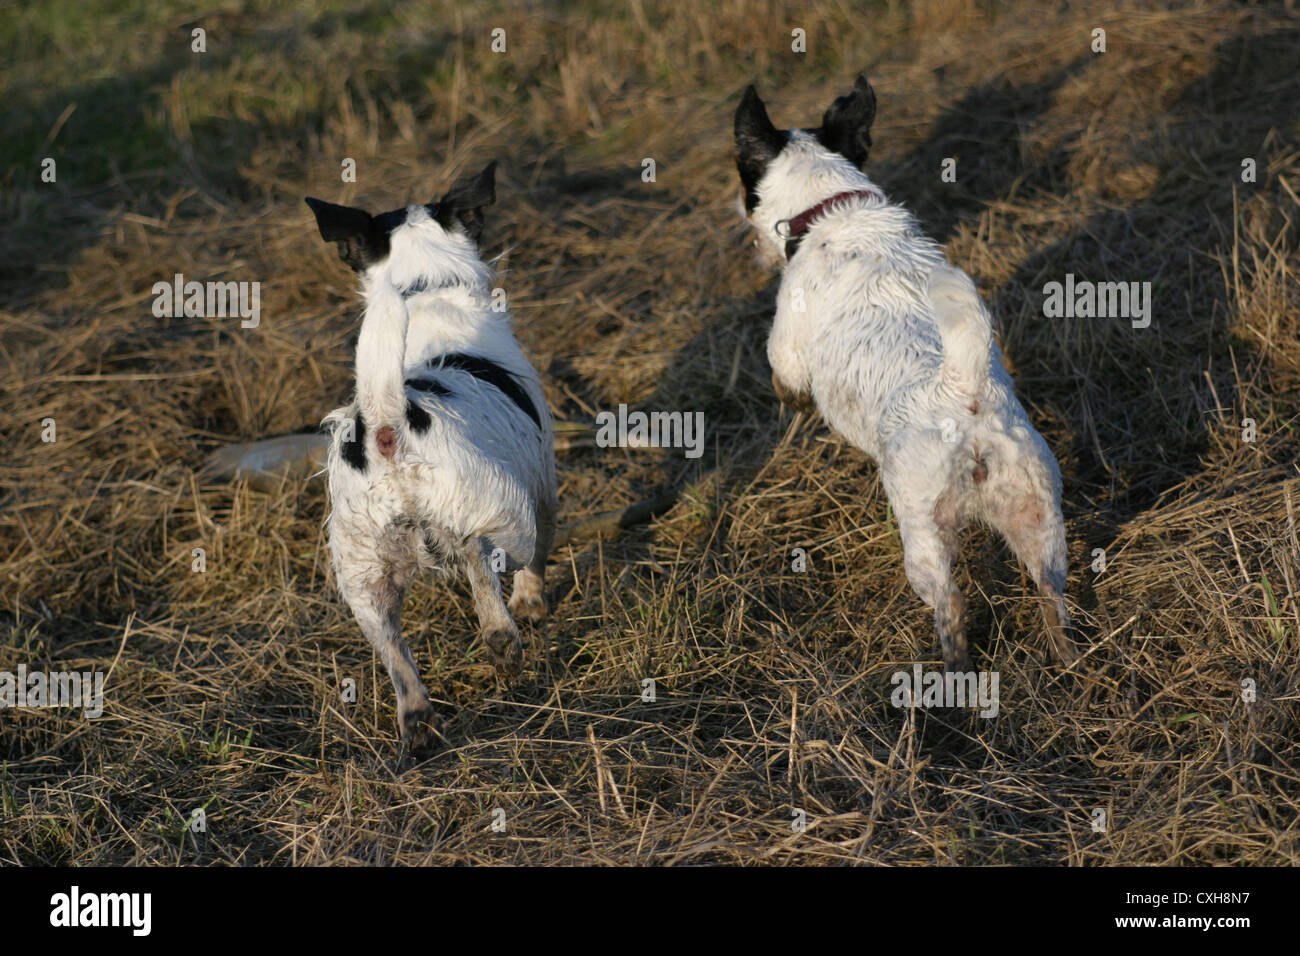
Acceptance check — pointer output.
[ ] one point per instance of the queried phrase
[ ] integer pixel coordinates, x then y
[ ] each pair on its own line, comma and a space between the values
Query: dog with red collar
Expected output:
894, 347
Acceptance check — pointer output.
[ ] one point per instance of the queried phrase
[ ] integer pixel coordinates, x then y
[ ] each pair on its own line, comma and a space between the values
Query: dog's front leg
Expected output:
794, 400
495, 624
787, 354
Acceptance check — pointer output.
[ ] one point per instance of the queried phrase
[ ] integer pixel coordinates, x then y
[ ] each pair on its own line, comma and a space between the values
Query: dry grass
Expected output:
772, 685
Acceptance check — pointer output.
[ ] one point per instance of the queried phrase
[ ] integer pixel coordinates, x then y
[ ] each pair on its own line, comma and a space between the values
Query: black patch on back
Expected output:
417, 418
484, 370
354, 452
428, 385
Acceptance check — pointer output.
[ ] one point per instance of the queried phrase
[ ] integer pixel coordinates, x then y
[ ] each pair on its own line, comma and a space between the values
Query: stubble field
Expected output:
771, 686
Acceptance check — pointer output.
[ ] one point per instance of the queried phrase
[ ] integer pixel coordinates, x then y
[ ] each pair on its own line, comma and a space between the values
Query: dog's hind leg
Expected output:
914, 472
526, 597
495, 624
929, 550
377, 606
1030, 520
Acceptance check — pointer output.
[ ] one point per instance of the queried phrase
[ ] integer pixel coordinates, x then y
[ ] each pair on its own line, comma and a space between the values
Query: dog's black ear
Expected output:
757, 143
846, 127
352, 230
465, 200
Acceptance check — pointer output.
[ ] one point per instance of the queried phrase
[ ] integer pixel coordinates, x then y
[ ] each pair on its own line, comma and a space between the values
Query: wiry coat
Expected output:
434, 467
478, 469
894, 347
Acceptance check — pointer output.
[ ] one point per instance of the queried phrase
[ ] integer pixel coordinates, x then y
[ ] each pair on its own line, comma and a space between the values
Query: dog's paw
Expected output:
1063, 650
794, 400
527, 606
507, 651
420, 734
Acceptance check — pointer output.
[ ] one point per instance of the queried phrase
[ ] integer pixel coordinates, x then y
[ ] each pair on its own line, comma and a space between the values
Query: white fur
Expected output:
466, 475
896, 349
481, 477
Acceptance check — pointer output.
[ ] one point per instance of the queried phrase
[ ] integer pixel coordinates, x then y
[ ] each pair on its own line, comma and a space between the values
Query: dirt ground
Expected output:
771, 738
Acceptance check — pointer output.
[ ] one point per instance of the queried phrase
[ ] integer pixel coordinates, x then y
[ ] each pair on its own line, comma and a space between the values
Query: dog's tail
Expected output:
381, 357
964, 328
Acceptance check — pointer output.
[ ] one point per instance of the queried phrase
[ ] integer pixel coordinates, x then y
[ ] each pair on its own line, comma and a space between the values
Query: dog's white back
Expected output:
894, 347
481, 465
445, 459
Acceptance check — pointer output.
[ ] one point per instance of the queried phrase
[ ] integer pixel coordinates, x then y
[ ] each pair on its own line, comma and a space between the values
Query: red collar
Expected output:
798, 225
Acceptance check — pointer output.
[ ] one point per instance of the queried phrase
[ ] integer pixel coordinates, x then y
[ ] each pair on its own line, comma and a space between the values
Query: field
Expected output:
771, 738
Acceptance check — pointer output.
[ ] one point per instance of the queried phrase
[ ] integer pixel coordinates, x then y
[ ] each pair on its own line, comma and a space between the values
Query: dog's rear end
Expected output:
445, 459
965, 450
